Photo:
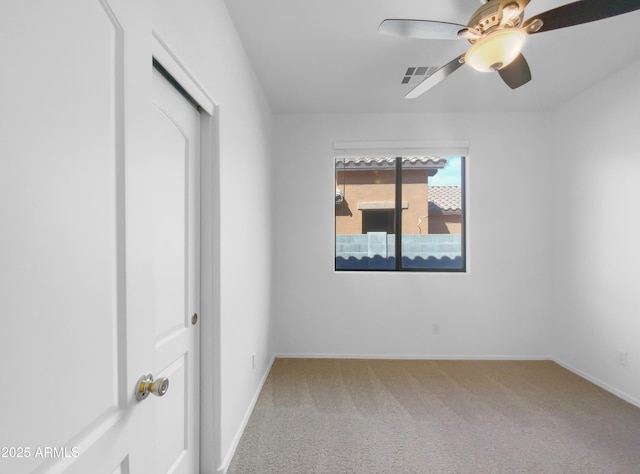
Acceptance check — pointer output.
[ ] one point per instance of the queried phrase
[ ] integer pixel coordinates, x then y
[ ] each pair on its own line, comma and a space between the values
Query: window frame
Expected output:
398, 207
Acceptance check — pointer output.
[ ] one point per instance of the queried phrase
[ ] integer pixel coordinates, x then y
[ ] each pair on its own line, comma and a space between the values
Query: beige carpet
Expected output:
391, 416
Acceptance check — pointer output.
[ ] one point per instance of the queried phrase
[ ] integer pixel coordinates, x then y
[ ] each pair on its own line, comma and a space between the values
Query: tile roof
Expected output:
362, 162
445, 198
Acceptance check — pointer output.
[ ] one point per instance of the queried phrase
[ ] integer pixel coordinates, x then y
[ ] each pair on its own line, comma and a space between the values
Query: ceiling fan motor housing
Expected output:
489, 16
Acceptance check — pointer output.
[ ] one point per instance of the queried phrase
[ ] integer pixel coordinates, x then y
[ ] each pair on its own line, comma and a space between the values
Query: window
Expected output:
400, 213
378, 220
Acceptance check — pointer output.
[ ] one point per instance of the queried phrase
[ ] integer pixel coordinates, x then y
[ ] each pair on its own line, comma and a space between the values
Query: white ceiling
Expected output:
325, 56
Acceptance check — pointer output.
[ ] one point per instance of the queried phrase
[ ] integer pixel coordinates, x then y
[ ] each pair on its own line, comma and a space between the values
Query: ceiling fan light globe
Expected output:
496, 50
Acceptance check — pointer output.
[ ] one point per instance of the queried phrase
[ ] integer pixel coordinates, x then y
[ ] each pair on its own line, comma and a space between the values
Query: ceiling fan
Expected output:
497, 33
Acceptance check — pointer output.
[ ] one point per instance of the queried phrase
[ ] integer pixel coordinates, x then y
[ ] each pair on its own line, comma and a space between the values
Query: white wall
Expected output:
596, 167
202, 35
500, 308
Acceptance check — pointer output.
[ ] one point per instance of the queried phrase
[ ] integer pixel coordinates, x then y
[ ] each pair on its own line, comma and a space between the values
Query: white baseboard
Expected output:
410, 356
598, 382
236, 439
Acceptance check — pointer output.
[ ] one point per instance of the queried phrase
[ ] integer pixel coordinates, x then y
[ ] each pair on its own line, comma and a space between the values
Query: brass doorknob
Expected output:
147, 385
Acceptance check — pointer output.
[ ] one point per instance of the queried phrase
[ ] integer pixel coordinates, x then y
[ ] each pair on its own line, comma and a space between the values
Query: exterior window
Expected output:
382, 220
400, 214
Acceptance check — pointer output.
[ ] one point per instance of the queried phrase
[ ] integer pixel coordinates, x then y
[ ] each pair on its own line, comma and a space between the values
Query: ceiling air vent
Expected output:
417, 74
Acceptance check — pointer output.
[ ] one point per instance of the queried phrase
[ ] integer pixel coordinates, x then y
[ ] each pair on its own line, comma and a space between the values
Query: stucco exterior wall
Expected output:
445, 224
375, 189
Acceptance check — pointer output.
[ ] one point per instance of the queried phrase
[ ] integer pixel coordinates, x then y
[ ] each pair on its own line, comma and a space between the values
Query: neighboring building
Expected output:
365, 196
445, 210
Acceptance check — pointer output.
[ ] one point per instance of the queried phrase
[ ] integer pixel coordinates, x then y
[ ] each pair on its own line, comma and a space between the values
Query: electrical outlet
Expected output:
253, 361
621, 358
435, 328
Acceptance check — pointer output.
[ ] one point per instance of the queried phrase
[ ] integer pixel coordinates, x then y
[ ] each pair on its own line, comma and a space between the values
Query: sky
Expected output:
449, 175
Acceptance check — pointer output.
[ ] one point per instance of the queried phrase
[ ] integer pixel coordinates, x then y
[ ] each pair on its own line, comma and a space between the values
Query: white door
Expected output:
85, 292
175, 177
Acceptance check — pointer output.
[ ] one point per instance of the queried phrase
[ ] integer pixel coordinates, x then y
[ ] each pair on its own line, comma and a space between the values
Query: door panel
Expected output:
169, 177
176, 153
61, 271
76, 331
172, 444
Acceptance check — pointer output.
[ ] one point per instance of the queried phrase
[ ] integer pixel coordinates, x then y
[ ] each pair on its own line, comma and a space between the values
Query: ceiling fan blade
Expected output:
436, 77
422, 29
583, 11
517, 73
